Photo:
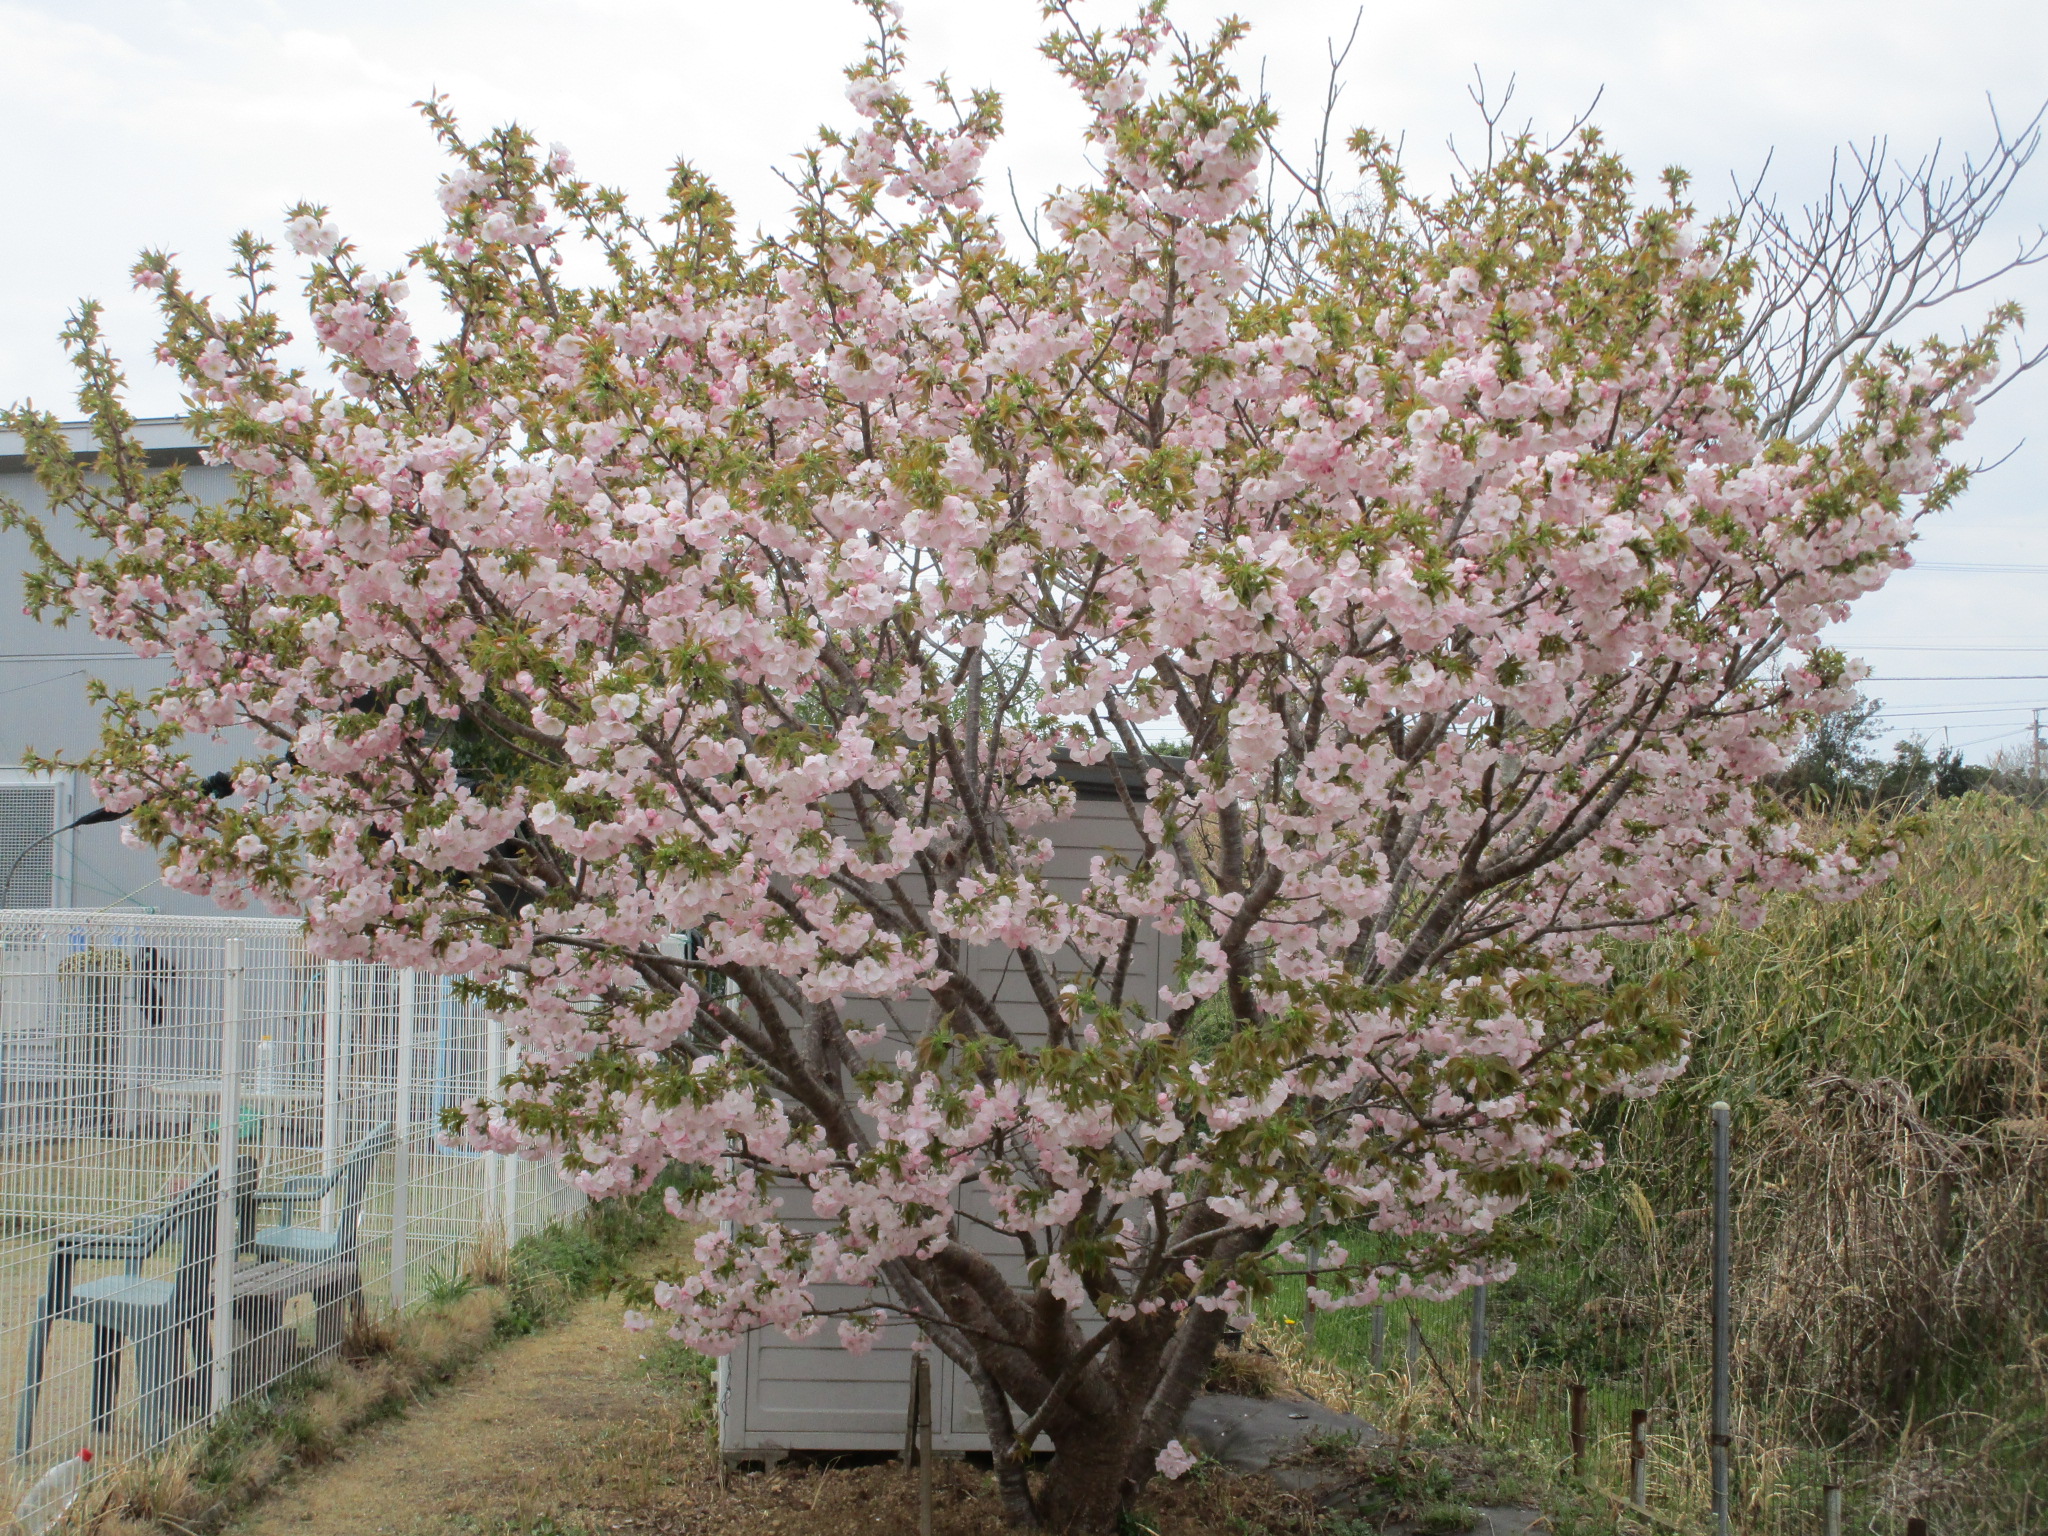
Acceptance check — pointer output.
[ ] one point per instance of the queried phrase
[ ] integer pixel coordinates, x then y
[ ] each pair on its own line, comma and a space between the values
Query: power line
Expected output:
1996, 568
74, 656
1943, 712
1985, 741
43, 681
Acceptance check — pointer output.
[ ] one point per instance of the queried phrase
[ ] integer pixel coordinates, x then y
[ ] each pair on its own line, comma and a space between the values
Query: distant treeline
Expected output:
1841, 768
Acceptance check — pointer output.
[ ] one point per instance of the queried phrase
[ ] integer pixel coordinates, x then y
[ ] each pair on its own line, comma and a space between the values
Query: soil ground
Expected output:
583, 1429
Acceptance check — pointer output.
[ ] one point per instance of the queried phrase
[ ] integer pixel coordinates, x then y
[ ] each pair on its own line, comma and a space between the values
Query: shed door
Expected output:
811, 1392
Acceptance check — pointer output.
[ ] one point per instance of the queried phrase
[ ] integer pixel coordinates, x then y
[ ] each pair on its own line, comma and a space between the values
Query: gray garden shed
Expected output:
775, 1395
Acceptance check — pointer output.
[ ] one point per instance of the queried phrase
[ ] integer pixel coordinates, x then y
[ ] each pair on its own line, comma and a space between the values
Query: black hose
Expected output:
219, 784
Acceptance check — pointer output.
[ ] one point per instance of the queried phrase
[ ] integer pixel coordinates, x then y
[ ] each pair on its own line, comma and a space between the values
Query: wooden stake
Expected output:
924, 1449
1476, 1359
1308, 1302
910, 1417
924, 1445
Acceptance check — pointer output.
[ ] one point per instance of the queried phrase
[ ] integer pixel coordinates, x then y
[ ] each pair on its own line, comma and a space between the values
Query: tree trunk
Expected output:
1084, 1487
1013, 1478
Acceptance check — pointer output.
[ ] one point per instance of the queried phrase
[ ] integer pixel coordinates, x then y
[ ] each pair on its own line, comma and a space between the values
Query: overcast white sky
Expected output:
168, 123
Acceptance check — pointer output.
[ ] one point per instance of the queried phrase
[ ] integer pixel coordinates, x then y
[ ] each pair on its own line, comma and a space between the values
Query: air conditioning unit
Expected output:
35, 859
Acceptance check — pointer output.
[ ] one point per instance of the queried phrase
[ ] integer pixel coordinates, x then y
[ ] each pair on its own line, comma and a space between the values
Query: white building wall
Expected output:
44, 673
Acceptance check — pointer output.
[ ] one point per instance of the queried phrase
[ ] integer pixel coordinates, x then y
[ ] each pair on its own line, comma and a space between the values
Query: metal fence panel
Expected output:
137, 1060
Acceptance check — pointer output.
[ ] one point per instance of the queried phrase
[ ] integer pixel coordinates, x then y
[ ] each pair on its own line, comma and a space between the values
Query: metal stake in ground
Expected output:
1718, 1441
1577, 1391
1478, 1357
1639, 1457
1831, 1510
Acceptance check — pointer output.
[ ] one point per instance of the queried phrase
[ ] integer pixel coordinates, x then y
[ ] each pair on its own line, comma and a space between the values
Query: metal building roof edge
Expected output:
165, 440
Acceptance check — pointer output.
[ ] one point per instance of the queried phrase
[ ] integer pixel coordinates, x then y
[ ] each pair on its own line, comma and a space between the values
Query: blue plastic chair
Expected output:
164, 1320
351, 1180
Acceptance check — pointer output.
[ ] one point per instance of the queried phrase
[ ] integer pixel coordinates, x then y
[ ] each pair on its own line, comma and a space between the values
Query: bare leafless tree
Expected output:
1888, 244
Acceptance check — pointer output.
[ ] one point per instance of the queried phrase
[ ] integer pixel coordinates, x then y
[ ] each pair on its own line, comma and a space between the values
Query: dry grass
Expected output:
573, 1431
489, 1260
1887, 1060
199, 1483
1250, 1371
385, 1365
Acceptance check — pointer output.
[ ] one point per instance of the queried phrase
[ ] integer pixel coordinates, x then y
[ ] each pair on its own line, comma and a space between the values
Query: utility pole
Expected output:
2037, 750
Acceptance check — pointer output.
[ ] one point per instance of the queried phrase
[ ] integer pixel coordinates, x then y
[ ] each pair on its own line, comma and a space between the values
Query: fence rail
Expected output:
214, 1150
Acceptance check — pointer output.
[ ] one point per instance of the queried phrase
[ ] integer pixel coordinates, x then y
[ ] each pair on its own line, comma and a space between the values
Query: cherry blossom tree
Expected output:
696, 650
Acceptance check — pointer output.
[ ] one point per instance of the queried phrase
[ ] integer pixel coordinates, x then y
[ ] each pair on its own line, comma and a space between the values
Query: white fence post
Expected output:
511, 1166
494, 1069
330, 1088
401, 1153
226, 1228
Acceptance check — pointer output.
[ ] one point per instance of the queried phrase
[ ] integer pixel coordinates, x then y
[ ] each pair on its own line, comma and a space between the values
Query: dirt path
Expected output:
583, 1429
565, 1430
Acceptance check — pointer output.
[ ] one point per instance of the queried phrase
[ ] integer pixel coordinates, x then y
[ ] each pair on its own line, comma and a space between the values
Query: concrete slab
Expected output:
1259, 1434
1496, 1521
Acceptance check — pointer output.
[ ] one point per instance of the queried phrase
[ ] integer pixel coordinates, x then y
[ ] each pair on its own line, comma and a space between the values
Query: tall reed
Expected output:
1887, 1059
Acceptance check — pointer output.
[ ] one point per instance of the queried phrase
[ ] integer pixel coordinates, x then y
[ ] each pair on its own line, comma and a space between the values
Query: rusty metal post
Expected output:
1577, 1392
1718, 1442
1639, 1457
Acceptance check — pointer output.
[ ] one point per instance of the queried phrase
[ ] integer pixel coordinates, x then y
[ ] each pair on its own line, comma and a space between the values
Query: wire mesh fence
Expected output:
215, 1152
1430, 1371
